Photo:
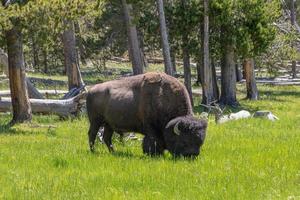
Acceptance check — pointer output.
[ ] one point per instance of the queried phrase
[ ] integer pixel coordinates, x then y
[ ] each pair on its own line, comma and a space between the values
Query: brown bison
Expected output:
154, 104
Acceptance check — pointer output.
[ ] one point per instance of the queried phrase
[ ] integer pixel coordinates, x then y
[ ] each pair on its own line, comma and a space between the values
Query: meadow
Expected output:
244, 159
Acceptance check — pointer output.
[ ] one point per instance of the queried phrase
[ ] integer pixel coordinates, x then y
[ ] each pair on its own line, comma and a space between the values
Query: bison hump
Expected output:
152, 78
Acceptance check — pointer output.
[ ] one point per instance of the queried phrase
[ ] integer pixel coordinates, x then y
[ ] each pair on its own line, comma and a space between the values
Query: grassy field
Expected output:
246, 159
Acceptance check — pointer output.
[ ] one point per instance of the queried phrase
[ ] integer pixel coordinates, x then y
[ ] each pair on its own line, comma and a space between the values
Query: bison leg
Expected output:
107, 135
94, 128
152, 145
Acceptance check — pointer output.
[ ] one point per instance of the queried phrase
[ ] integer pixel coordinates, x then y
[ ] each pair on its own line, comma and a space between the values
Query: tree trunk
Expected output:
164, 38
252, 92
81, 51
187, 72
228, 73
199, 57
173, 60
17, 77
142, 49
216, 91
133, 42
208, 96
144, 59
45, 55
71, 57
35, 53
199, 69
293, 21
239, 74
186, 56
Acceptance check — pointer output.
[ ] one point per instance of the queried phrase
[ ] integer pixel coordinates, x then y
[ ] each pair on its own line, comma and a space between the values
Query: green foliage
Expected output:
106, 34
248, 25
278, 53
43, 23
52, 12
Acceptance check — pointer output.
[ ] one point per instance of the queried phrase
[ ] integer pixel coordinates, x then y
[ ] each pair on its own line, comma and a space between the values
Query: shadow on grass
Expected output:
277, 95
280, 93
30, 129
165, 157
7, 129
117, 154
199, 109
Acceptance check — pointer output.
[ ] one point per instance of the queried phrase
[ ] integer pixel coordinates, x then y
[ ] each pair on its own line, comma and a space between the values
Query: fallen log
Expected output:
4, 80
197, 92
6, 93
277, 83
62, 108
33, 93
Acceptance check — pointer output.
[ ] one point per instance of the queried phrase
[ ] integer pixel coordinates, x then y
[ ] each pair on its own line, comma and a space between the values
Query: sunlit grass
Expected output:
246, 159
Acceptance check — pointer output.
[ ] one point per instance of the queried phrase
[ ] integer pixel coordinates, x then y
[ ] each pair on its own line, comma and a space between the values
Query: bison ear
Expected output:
176, 129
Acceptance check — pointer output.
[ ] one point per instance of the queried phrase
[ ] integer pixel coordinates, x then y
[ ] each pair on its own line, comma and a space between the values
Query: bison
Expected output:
153, 104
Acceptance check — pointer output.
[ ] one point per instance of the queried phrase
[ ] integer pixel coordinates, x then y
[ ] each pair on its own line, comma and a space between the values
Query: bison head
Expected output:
185, 135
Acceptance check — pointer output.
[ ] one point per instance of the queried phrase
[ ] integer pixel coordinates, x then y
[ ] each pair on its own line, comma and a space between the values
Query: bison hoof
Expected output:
111, 148
92, 149
152, 147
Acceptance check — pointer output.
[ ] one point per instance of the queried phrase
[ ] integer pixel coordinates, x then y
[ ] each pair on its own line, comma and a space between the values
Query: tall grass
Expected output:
245, 159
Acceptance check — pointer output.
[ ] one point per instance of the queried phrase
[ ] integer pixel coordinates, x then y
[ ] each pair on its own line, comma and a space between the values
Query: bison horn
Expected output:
176, 129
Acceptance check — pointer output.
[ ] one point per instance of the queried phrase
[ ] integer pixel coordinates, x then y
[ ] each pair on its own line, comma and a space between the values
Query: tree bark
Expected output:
252, 92
199, 57
164, 38
142, 49
81, 50
216, 91
186, 56
17, 77
35, 53
228, 74
293, 22
173, 60
187, 72
239, 74
45, 55
199, 69
133, 42
208, 96
71, 57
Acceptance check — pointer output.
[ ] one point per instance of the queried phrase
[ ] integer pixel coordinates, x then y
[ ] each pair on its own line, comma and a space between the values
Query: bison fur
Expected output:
153, 104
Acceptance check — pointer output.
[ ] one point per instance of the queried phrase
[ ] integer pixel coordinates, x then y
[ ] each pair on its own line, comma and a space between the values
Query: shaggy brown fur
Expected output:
143, 103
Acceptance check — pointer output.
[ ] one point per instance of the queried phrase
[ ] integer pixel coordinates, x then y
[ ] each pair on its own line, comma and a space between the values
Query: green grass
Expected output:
246, 159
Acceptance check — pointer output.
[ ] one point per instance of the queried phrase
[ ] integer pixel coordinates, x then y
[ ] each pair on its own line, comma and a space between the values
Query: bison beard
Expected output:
154, 104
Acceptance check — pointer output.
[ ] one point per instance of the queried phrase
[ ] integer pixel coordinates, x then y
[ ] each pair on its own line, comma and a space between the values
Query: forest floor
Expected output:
245, 159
